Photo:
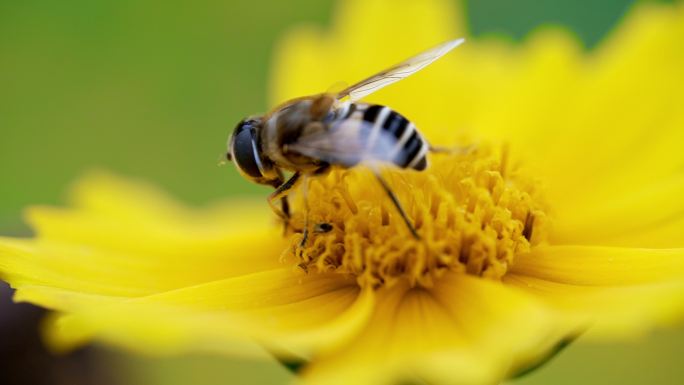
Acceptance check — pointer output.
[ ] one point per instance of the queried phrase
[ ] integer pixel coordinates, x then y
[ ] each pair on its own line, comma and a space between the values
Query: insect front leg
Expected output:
305, 193
281, 193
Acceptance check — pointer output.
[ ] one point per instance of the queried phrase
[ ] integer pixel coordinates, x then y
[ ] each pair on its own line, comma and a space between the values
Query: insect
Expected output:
308, 135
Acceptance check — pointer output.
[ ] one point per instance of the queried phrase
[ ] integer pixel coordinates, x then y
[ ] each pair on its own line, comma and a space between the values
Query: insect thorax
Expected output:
285, 125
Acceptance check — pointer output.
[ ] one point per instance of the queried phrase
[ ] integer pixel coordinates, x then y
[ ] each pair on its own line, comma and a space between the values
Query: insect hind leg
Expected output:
395, 202
456, 150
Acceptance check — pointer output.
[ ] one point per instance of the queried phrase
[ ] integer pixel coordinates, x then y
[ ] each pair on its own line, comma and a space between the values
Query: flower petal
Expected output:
621, 291
288, 311
127, 239
94, 270
601, 266
643, 216
620, 127
612, 311
131, 216
480, 329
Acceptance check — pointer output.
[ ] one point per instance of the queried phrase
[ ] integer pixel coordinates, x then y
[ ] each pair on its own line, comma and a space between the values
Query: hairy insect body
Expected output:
384, 135
284, 127
309, 134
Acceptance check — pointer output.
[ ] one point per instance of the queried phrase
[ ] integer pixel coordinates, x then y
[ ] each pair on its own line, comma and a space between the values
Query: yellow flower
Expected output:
566, 217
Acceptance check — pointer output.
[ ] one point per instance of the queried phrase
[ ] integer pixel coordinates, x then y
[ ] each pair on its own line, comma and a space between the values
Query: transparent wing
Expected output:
347, 143
397, 72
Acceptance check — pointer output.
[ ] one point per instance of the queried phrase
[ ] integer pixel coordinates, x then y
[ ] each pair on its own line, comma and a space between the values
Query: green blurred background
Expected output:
152, 88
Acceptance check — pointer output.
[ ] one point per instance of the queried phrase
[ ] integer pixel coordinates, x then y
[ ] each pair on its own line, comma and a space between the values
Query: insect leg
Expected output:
322, 169
395, 201
281, 193
285, 206
459, 150
305, 191
305, 195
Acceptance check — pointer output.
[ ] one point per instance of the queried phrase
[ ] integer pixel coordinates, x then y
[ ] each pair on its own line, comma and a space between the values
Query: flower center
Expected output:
472, 211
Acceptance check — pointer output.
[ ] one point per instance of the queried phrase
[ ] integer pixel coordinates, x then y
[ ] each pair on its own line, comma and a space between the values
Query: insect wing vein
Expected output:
397, 72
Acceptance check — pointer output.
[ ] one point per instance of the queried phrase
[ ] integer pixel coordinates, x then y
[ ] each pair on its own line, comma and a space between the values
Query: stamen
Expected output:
473, 212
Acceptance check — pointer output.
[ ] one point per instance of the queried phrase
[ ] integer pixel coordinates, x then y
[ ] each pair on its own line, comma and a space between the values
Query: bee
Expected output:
308, 135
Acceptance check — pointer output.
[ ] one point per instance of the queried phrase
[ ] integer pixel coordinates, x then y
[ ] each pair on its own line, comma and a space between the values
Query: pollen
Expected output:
473, 212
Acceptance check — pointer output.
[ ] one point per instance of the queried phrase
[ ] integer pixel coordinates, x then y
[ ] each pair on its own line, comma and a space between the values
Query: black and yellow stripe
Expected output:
410, 149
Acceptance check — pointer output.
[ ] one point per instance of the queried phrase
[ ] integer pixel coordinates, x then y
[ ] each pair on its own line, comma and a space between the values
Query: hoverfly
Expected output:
308, 135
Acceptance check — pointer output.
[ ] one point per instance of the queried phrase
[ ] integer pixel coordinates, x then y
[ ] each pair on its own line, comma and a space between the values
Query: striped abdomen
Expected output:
408, 149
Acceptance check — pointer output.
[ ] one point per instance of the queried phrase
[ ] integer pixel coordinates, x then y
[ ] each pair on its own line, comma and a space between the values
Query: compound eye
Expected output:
245, 150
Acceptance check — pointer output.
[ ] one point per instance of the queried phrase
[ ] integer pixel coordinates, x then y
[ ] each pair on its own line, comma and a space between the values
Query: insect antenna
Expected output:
224, 159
